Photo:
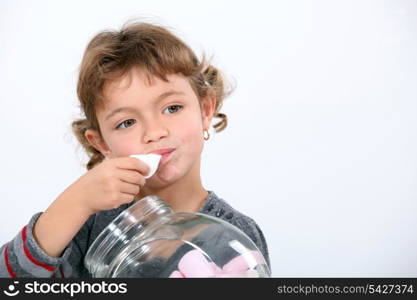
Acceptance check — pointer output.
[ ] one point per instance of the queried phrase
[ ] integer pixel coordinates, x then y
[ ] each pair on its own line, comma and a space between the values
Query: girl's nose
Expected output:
154, 131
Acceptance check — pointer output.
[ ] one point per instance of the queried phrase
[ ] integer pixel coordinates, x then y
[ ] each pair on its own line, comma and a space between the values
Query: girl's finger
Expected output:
129, 188
132, 177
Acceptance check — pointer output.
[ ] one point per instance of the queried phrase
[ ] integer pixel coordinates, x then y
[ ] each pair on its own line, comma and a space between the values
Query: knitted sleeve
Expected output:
23, 257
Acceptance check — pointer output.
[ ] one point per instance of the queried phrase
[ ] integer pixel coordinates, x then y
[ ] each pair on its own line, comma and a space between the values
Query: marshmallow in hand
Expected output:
151, 159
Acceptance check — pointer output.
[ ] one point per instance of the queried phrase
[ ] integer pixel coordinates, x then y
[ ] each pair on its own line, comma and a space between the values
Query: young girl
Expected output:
142, 90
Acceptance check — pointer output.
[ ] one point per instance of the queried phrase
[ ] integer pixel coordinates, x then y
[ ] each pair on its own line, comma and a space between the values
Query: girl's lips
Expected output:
165, 157
163, 151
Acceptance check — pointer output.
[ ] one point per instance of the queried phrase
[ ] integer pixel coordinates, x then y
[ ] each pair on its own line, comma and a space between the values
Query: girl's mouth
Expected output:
165, 157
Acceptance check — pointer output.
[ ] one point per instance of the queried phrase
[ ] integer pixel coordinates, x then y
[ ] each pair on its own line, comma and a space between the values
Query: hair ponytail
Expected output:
79, 127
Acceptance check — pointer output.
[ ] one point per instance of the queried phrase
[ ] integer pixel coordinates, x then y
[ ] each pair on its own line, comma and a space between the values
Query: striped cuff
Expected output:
23, 257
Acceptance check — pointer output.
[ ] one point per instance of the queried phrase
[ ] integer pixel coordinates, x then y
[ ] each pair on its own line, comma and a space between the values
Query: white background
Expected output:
321, 149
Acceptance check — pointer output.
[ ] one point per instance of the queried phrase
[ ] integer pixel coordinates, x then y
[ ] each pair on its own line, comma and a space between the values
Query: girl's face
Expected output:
139, 117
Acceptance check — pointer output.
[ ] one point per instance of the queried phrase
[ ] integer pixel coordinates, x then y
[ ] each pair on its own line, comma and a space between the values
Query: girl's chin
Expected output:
165, 176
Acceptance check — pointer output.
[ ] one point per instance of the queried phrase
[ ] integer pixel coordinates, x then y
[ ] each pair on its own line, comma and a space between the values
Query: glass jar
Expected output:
149, 239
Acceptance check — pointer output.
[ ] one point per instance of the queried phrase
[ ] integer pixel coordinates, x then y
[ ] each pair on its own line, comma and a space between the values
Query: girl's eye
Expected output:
173, 108
170, 110
126, 124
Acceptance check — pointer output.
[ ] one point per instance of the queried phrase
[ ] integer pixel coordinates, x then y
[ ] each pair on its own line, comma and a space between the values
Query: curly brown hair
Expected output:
111, 54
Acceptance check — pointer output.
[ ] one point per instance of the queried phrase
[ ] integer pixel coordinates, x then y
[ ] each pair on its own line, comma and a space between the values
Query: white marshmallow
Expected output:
151, 159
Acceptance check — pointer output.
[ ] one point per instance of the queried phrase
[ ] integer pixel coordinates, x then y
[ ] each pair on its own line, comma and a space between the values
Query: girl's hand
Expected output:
110, 184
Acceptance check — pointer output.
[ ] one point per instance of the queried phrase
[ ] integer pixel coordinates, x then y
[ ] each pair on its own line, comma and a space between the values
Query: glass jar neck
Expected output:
131, 223
147, 206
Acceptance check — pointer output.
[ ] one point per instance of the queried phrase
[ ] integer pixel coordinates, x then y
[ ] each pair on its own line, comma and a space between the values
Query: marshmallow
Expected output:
151, 159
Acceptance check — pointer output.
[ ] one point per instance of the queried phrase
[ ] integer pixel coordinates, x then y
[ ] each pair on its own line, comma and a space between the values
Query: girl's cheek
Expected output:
125, 148
192, 134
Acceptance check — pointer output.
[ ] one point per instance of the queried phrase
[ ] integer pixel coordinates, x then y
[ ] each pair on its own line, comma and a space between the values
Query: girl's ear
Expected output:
208, 108
95, 140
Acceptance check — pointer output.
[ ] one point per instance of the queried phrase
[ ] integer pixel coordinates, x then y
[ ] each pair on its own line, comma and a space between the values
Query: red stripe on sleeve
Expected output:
62, 272
30, 257
9, 268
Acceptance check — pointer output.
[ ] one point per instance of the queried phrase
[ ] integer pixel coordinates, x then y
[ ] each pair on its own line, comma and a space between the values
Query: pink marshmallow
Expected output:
194, 264
176, 274
228, 274
216, 269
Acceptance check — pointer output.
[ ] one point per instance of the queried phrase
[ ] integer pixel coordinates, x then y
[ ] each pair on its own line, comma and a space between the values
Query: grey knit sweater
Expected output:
23, 257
